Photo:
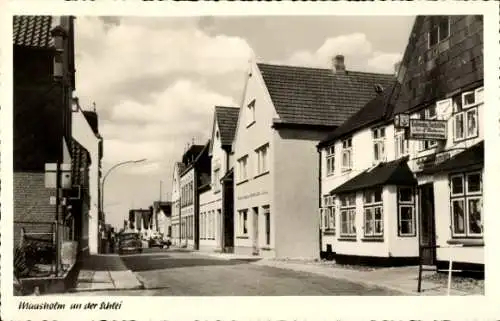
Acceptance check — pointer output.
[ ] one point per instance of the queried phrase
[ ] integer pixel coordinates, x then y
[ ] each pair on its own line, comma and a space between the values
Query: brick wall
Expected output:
32, 209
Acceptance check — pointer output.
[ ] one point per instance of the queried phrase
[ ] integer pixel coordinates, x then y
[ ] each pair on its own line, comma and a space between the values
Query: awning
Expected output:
390, 173
470, 159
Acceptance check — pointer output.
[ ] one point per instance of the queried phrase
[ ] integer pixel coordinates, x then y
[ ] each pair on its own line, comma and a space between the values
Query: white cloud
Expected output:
357, 50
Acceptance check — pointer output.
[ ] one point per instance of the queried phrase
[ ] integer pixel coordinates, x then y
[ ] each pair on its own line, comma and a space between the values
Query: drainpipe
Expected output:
319, 196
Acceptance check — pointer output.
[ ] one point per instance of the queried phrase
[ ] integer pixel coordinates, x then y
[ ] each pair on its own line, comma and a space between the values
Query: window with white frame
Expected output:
251, 113
402, 145
347, 154
466, 205
348, 215
373, 212
328, 214
243, 168
428, 113
378, 144
216, 180
440, 30
202, 226
465, 118
406, 211
262, 160
243, 222
267, 222
330, 160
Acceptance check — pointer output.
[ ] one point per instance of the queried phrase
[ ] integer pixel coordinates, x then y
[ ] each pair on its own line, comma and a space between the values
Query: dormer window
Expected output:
440, 30
251, 113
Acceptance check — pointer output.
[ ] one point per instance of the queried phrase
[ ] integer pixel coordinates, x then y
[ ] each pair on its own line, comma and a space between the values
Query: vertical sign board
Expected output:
427, 129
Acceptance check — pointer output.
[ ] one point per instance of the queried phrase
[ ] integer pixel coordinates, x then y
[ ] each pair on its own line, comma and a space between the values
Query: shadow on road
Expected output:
138, 263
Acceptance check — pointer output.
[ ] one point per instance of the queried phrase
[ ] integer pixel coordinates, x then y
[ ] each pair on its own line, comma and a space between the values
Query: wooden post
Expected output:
58, 230
419, 289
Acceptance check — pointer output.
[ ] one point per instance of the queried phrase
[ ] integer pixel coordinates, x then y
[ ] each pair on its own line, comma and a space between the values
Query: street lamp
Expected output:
109, 172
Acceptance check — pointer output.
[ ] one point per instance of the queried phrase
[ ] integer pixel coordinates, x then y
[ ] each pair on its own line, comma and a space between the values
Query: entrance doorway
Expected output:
427, 224
255, 231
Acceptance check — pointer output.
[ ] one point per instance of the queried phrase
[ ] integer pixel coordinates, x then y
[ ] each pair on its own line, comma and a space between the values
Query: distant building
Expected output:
176, 203
162, 218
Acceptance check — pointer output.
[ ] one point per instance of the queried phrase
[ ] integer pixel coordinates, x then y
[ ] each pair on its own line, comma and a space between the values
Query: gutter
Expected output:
319, 199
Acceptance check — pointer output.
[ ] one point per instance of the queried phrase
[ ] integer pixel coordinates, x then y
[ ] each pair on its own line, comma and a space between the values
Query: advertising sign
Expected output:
402, 121
427, 129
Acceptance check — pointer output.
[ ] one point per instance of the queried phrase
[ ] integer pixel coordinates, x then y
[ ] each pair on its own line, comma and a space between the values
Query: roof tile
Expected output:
32, 31
227, 118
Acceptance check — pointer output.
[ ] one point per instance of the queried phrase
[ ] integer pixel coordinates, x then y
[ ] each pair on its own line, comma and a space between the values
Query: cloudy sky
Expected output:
155, 80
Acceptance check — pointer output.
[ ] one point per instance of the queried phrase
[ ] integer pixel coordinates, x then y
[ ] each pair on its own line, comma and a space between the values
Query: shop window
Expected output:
347, 154
406, 210
330, 160
243, 222
379, 144
348, 215
466, 205
373, 213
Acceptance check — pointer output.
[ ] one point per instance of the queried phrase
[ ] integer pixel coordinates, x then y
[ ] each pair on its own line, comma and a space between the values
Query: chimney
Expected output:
338, 64
396, 68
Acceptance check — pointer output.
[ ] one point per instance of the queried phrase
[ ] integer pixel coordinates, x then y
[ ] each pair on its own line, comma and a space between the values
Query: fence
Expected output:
450, 264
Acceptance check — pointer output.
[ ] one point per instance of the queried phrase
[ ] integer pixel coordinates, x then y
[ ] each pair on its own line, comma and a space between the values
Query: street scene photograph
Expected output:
248, 155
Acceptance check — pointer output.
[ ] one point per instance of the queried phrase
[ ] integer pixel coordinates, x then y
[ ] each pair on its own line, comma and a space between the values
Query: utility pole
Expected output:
160, 189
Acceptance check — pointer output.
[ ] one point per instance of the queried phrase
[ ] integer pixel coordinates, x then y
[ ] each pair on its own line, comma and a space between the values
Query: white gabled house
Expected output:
285, 112
430, 123
216, 199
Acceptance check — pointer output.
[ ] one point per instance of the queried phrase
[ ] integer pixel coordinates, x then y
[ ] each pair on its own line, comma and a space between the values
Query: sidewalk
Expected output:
105, 272
400, 279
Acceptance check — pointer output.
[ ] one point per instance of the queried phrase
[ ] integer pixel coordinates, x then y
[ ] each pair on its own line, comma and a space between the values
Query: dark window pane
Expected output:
457, 185
405, 194
475, 222
474, 183
433, 36
444, 28
458, 217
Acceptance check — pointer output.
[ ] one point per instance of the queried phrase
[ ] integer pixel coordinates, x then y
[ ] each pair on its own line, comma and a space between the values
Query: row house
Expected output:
215, 197
162, 218
402, 177
286, 112
196, 174
176, 203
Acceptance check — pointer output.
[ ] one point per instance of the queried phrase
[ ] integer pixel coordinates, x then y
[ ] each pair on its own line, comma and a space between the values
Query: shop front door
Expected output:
427, 224
255, 231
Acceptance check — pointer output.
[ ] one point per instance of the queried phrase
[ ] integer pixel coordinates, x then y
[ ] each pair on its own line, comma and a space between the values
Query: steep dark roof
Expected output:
191, 154
32, 31
314, 96
395, 172
471, 158
227, 118
374, 111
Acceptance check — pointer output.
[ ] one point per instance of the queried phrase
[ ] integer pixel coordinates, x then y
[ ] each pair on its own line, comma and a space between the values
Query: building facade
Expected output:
176, 203
286, 111
216, 225
195, 174
403, 176
44, 80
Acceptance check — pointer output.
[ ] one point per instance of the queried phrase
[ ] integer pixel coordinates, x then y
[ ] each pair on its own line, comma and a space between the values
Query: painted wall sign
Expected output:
402, 121
427, 129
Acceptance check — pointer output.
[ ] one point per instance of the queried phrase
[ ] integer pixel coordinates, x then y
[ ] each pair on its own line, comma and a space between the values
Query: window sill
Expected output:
243, 237
470, 241
330, 174
347, 239
328, 232
373, 239
217, 191
461, 140
407, 235
346, 170
266, 248
250, 124
243, 181
261, 174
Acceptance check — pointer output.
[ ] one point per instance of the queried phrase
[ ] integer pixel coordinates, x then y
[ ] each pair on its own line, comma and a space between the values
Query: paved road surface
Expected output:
177, 273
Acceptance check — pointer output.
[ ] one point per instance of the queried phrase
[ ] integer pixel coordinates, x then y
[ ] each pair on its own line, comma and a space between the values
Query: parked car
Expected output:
155, 242
129, 242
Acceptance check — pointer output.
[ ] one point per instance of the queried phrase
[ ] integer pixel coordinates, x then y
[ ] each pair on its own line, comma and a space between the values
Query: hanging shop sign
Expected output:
427, 129
402, 121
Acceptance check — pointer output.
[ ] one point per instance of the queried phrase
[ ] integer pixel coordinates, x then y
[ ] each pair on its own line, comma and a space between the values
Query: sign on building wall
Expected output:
402, 121
427, 129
